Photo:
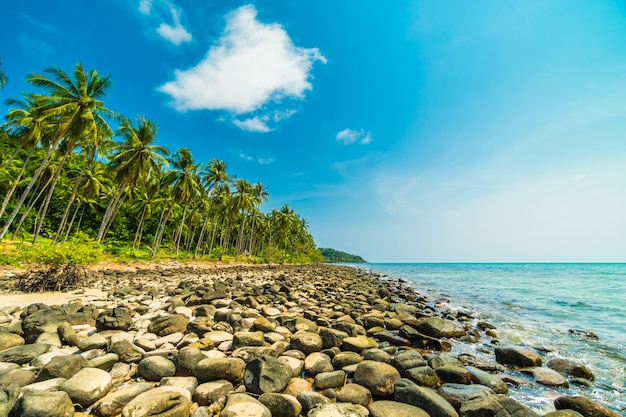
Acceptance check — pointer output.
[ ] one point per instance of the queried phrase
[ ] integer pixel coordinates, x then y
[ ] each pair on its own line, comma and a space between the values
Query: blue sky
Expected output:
404, 131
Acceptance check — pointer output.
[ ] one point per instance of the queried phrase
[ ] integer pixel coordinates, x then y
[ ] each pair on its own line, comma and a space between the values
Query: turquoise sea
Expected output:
536, 305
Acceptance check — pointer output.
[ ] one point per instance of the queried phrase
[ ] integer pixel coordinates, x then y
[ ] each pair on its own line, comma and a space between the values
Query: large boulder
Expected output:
8, 397
407, 359
395, 409
339, 410
118, 318
406, 391
266, 374
9, 340
457, 394
24, 353
62, 366
307, 342
210, 392
112, 404
568, 367
437, 327
88, 385
214, 369
378, 377
49, 404
239, 405
155, 403
585, 406
164, 325
499, 406
281, 405
517, 356
154, 368
44, 320
489, 380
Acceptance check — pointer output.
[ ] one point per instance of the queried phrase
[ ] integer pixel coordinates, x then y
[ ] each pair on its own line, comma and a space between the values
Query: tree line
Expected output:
74, 169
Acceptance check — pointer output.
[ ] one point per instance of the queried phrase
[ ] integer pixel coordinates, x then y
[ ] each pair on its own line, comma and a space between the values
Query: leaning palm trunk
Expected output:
7, 197
160, 230
30, 186
46, 203
69, 204
71, 223
180, 229
202, 231
111, 211
139, 231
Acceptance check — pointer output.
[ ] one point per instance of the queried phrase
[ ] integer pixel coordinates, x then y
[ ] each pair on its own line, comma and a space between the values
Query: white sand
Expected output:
51, 298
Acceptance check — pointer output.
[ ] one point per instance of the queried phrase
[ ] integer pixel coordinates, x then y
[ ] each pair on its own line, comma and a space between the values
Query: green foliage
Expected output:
336, 256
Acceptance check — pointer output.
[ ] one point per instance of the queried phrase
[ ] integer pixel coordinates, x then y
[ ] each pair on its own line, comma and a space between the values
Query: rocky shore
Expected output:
288, 341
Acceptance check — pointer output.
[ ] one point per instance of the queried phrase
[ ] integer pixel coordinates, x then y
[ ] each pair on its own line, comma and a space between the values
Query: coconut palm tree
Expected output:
259, 196
213, 176
76, 110
135, 160
185, 184
3, 77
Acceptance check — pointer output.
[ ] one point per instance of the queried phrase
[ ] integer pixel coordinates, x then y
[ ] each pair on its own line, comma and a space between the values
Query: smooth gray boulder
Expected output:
44, 404
406, 391
87, 386
378, 377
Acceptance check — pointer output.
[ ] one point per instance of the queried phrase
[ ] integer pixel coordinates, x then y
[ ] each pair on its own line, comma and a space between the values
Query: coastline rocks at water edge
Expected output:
284, 341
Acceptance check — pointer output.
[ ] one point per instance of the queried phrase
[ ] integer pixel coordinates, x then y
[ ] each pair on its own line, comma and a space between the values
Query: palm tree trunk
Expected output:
7, 197
180, 229
46, 204
30, 186
66, 213
71, 223
204, 224
160, 230
138, 233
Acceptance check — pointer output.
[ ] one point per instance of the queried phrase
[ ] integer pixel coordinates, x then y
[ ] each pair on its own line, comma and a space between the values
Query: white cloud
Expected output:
252, 64
145, 6
177, 33
262, 161
253, 124
349, 136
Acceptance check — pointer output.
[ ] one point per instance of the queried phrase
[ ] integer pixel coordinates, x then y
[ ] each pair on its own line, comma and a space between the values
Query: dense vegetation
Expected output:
74, 172
337, 256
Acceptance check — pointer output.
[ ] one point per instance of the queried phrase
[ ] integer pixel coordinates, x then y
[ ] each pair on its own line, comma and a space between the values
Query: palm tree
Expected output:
213, 176
185, 184
3, 77
135, 161
243, 202
259, 196
76, 110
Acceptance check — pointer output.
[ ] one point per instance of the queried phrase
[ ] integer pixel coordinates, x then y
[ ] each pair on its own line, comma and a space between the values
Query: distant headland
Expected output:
337, 256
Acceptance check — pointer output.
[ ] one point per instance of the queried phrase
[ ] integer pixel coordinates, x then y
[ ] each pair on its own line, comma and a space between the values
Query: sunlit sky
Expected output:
403, 131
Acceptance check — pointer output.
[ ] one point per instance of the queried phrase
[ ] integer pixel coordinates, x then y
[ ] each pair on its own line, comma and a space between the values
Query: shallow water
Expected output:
536, 305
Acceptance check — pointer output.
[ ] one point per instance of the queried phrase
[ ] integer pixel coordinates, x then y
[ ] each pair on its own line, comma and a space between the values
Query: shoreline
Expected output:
399, 338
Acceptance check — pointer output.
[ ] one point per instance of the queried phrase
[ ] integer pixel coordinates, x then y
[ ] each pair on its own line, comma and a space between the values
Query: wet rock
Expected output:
583, 334
87, 386
517, 356
454, 374
563, 413
407, 359
585, 406
549, 377
495, 406
239, 405
266, 374
281, 405
358, 343
427, 399
378, 377
355, 394
214, 369
424, 376
395, 409
49, 404
436, 327
457, 394
489, 380
568, 367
